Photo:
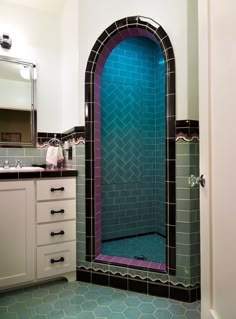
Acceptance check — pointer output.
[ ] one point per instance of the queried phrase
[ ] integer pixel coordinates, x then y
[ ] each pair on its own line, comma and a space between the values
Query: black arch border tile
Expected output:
116, 32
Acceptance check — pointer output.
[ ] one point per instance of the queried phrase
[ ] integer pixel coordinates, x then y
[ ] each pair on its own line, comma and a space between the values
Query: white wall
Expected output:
192, 34
36, 36
96, 16
70, 84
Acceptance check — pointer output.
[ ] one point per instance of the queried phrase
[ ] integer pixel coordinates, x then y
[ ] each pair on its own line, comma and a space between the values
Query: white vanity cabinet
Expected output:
56, 227
17, 232
37, 230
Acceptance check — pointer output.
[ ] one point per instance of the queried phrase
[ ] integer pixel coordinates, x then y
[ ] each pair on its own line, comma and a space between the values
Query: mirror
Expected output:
17, 103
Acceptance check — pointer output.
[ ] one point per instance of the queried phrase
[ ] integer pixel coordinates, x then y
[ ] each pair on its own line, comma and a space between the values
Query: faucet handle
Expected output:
6, 164
18, 164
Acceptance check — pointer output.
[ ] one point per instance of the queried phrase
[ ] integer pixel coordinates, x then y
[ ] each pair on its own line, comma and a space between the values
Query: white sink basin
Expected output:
22, 169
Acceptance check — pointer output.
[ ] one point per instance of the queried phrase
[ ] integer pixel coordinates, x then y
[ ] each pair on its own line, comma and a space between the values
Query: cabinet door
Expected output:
17, 232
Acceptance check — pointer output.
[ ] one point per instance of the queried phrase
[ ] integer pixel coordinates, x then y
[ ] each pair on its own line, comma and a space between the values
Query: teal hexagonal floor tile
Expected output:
50, 298
162, 314
191, 306
56, 288
121, 296
132, 313
147, 316
178, 317
72, 310
16, 307
145, 298
71, 285
146, 307
77, 300
192, 314
23, 297
106, 291
161, 303
9, 315
3, 309
56, 314
66, 294
81, 290
44, 309
104, 300
102, 311
92, 295
7, 300
177, 310
89, 305
27, 314
40, 293
61, 304
86, 315
33, 302
132, 301
117, 306
116, 316
39, 317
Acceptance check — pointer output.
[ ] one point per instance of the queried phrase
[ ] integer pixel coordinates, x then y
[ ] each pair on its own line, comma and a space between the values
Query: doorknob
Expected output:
193, 180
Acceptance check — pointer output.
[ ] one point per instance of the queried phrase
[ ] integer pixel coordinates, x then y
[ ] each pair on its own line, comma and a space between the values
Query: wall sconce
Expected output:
5, 41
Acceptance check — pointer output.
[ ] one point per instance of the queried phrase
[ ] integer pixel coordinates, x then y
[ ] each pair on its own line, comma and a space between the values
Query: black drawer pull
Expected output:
59, 233
57, 260
62, 211
57, 189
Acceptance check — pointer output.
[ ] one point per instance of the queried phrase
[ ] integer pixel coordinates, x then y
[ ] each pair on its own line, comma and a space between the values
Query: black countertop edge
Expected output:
41, 174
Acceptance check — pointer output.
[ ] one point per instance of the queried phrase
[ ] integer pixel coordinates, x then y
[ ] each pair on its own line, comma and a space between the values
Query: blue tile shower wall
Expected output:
133, 140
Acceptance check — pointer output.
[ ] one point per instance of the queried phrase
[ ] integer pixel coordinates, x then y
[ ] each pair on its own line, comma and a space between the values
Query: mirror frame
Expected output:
33, 116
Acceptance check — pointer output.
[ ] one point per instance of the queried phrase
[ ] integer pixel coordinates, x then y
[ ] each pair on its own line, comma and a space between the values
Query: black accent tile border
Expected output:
145, 286
187, 128
42, 174
75, 132
119, 30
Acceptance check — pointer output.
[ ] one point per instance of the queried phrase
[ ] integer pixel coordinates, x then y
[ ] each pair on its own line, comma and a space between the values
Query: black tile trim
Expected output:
187, 128
146, 286
41, 174
129, 26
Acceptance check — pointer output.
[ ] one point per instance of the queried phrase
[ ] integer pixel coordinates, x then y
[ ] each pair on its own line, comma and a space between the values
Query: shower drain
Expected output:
141, 257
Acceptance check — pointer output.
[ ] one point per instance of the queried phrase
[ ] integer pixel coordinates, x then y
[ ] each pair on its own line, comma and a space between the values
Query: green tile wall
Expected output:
187, 220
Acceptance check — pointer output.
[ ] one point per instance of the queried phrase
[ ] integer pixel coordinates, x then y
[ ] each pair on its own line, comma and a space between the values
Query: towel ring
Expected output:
55, 141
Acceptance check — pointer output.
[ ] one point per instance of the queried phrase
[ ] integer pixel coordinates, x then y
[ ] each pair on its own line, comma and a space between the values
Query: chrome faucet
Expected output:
6, 164
18, 164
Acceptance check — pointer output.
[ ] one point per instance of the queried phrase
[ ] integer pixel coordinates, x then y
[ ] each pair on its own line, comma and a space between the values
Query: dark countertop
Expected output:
46, 173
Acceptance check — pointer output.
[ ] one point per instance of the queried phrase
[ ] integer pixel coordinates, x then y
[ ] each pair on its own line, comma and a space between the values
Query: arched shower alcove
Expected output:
131, 27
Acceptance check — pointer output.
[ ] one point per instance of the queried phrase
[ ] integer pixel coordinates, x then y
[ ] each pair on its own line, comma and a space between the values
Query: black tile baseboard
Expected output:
145, 286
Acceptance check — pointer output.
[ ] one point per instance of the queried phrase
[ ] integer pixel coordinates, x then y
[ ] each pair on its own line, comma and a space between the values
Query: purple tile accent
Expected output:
116, 260
131, 262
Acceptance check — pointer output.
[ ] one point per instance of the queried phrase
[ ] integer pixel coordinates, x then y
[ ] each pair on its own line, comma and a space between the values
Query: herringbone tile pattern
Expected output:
120, 133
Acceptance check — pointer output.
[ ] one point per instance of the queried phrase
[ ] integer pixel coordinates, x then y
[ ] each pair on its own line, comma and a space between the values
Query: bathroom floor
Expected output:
152, 247
78, 300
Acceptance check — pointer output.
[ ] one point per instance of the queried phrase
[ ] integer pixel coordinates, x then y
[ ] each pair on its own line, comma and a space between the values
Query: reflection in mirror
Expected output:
17, 105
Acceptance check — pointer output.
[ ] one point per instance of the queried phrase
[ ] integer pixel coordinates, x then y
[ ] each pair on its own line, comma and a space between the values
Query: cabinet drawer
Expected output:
56, 259
56, 232
56, 189
56, 211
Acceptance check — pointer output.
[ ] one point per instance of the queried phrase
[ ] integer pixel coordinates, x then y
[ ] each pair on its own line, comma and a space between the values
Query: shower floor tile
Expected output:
78, 300
152, 247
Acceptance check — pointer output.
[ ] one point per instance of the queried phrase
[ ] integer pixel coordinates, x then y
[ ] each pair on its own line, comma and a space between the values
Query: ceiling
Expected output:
52, 6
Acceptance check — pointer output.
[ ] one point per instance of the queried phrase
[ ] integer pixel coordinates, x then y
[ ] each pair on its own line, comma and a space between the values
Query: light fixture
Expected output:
5, 41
